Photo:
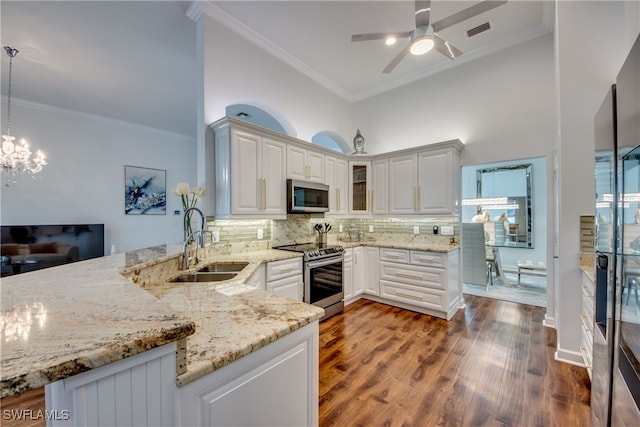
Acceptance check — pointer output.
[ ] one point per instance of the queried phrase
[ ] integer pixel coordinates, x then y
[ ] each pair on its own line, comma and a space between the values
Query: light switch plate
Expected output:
416, 229
260, 233
446, 230
371, 229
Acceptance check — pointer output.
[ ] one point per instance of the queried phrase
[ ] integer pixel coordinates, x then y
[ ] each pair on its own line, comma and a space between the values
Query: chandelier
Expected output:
16, 157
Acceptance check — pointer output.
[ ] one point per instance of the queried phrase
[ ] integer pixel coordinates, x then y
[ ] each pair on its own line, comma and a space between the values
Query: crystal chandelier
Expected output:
16, 157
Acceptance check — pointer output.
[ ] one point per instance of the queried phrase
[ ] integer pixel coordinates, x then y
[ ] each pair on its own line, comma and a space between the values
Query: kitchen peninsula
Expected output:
141, 343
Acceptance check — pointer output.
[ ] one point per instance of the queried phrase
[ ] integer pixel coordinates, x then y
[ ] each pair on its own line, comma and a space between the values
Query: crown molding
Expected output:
195, 11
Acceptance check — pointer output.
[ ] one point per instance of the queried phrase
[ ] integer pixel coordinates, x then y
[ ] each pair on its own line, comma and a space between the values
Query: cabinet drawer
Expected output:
414, 295
429, 259
348, 254
423, 277
280, 269
586, 348
394, 255
587, 308
289, 287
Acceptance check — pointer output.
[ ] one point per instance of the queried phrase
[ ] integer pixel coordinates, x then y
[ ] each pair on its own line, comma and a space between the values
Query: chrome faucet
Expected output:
200, 239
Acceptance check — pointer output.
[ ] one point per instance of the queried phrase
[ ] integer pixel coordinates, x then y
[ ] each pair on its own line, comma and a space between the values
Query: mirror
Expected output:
504, 205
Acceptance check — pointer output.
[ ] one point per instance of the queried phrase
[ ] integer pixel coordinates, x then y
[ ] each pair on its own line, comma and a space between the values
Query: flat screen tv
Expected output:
32, 247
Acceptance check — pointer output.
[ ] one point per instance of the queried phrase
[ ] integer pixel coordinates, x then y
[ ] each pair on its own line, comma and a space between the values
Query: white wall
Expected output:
501, 106
585, 71
509, 256
237, 71
84, 180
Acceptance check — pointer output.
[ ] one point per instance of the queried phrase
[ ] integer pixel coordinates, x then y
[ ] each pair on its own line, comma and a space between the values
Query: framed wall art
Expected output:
145, 191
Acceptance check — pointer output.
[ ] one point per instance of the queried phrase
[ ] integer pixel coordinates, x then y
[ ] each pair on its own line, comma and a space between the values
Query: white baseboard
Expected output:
570, 357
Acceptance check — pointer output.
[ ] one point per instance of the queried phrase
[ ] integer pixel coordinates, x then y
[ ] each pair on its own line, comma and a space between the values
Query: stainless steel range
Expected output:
323, 275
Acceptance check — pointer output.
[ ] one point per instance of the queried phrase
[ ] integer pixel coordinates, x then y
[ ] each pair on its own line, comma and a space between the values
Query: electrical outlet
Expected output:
371, 229
215, 234
447, 230
260, 233
340, 228
416, 229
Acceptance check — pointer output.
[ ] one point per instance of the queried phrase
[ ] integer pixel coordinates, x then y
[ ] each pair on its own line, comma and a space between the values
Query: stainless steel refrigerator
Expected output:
615, 387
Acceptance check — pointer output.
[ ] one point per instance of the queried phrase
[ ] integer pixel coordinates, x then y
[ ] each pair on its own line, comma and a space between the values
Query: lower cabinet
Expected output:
587, 321
422, 281
276, 385
347, 276
285, 278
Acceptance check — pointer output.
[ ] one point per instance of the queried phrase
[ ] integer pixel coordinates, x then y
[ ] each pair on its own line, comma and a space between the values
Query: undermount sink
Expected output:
224, 267
204, 277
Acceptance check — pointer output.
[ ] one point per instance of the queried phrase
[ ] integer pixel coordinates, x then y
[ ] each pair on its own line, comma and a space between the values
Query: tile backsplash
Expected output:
300, 229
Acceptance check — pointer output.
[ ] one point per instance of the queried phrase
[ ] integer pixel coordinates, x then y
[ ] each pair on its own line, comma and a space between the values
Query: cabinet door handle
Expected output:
424, 258
392, 256
259, 194
372, 196
587, 291
369, 194
408, 295
415, 198
286, 269
419, 199
408, 276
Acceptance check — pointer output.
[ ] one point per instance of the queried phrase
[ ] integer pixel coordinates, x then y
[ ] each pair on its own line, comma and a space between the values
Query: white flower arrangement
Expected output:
188, 196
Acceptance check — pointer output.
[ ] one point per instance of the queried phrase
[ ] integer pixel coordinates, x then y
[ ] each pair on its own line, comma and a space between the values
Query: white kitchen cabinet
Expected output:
347, 276
304, 164
403, 178
276, 385
587, 321
426, 182
285, 278
249, 175
360, 187
379, 186
337, 178
359, 271
439, 181
427, 282
371, 279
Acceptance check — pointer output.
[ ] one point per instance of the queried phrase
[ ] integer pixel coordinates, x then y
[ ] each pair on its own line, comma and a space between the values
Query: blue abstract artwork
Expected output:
145, 191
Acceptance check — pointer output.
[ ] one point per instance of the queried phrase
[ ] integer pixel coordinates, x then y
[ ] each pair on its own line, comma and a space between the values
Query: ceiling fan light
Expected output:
422, 45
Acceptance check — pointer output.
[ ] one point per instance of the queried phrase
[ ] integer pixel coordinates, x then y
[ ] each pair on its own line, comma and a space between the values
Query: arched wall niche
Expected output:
332, 141
263, 116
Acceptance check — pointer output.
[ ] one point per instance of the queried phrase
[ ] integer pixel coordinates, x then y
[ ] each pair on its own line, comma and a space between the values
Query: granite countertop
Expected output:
417, 246
65, 320
232, 319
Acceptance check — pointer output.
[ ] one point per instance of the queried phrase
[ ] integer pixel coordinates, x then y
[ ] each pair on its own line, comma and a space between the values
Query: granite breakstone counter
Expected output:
66, 320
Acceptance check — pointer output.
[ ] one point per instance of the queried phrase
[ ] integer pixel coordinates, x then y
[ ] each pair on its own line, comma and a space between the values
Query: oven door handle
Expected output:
321, 263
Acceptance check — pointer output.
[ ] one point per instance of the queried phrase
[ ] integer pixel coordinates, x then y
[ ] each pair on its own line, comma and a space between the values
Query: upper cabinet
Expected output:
426, 181
360, 187
304, 164
249, 174
246, 176
336, 173
379, 186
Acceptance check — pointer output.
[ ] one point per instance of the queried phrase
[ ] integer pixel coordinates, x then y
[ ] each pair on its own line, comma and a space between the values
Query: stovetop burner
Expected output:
314, 250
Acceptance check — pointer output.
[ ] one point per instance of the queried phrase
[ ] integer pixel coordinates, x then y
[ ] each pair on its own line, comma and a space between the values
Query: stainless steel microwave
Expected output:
307, 197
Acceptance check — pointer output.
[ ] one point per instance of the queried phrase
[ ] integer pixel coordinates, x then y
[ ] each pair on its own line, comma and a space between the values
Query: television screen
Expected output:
32, 247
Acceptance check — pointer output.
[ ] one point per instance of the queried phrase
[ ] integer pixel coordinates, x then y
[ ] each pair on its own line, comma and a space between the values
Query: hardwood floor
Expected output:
491, 365
23, 410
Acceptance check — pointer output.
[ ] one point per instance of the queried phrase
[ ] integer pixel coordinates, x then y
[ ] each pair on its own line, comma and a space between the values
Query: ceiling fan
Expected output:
424, 36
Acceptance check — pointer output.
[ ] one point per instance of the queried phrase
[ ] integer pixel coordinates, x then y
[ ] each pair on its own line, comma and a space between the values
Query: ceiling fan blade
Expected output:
378, 36
445, 48
423, 12
467, 13
395, 61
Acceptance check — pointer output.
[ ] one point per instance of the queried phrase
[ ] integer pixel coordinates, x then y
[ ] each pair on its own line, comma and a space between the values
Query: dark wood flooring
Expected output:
491, 365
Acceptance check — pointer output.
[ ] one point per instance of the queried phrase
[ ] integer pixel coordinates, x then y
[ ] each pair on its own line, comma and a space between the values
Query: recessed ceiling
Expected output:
136, 60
